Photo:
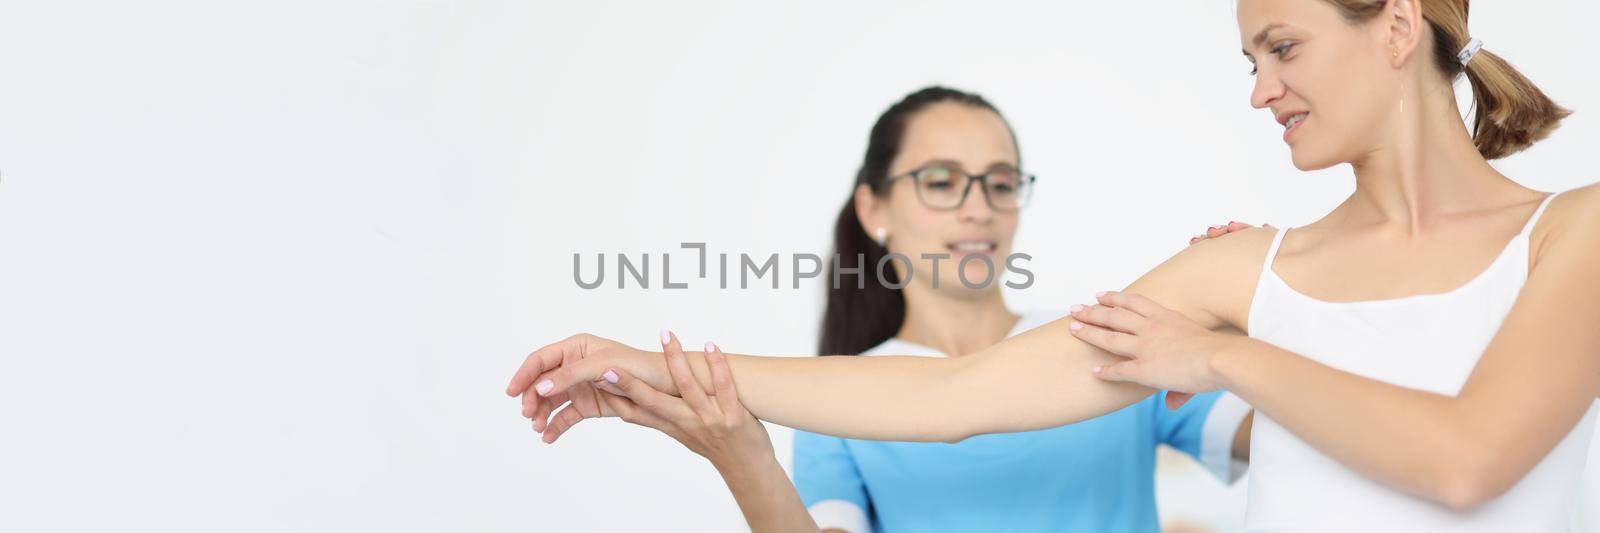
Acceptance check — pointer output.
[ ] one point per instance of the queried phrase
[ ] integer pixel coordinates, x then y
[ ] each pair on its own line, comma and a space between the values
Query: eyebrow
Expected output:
1261, 36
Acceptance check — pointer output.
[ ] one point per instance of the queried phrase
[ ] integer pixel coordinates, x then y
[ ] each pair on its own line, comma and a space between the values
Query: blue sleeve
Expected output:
825, 470
1183, 429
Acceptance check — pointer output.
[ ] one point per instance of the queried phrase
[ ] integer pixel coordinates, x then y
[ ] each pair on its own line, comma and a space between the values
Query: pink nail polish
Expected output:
1101, 294
1075, 308
666, 337
1076, 326
544, 386
711, 347
1097, 369
611, 377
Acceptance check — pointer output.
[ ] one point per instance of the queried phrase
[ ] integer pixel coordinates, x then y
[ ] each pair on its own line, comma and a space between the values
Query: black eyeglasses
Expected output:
944, 188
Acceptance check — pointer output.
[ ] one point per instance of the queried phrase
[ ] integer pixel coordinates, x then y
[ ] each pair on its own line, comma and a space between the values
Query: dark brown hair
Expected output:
856, 319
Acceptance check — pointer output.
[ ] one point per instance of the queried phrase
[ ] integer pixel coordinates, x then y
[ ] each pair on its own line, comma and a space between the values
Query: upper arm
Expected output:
1541, 371
1041, 378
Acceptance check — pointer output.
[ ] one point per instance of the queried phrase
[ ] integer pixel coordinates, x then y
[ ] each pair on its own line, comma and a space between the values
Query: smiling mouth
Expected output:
1294, 121
973, 247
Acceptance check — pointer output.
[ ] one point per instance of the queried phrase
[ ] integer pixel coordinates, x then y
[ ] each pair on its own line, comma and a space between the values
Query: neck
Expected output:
953, 321
1427, 169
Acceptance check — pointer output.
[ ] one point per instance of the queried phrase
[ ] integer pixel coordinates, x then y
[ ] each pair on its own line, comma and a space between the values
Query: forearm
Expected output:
1036, 380
766, 497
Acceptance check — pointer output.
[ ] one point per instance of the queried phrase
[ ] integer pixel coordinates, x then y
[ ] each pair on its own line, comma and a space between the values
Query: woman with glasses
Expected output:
940, 189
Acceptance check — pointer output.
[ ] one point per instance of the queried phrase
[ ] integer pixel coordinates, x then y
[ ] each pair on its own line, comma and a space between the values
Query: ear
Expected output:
1403, 28
869, 210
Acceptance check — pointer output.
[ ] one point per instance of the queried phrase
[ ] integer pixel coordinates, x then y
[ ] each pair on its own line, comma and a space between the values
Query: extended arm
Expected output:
1035, 380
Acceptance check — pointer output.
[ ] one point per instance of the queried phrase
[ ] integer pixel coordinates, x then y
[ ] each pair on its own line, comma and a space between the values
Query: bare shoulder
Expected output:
1572, 219
1214, 280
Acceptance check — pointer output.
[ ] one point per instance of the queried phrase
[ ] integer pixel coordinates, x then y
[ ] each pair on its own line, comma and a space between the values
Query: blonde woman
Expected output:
1422, 358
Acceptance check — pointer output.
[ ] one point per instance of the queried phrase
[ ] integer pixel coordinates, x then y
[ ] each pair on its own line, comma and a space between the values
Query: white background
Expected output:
267, 266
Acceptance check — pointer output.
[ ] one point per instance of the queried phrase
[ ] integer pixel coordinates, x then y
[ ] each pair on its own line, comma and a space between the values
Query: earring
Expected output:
880, 235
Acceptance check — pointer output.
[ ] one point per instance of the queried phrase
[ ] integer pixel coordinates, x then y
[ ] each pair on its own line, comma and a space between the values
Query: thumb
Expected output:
645, 396
571, 373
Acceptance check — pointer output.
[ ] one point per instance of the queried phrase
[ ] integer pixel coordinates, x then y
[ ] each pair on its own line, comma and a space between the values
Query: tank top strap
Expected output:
1272, 252
1534, 220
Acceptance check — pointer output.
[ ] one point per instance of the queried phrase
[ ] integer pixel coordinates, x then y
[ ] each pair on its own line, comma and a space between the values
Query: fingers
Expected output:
541, 412
663, 405
1115, 318
542, 360
1124, 371
573, 372
1126, 300
722, 380
1220, 230
678, 366
633, 414
1122, 344
561, 423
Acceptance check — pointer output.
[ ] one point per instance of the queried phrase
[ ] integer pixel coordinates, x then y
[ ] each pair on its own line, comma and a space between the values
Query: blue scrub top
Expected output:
1094, 476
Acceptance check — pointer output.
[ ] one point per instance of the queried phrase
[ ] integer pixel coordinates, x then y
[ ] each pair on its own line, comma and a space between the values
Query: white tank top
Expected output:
1429, 342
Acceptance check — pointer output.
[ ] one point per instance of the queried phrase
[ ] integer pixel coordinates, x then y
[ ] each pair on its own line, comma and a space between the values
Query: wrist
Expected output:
1223, 364
746, 470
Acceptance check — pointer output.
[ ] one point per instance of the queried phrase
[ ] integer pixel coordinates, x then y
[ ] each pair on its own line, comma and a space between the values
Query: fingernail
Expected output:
1076, 326
1101, 294
666, 337
1218, 226
611, 377
1075, 308
711, 347
1097, 369
544, 386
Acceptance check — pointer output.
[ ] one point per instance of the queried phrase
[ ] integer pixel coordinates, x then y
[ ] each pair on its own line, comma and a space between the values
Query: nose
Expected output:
1268, 89
975, 207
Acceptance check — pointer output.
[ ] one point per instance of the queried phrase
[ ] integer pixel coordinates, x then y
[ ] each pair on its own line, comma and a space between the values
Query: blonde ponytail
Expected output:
1511, 113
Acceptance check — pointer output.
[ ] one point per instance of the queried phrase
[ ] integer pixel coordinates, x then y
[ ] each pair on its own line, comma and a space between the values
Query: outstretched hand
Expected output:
568, 372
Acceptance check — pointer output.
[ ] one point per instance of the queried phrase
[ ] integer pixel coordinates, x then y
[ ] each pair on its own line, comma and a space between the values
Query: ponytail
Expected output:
1511, 113
856, 319
863, 312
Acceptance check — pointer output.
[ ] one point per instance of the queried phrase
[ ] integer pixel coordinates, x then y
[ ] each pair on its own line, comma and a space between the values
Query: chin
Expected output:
1307, 162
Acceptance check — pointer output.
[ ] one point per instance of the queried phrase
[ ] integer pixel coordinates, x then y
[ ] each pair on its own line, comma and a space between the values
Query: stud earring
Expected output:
880, 235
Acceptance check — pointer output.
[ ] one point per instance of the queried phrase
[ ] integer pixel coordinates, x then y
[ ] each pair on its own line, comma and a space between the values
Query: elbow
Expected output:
1470, 479
1465, 492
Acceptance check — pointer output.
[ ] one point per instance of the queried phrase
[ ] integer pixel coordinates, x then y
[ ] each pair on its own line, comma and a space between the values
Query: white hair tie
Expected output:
1472, 48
